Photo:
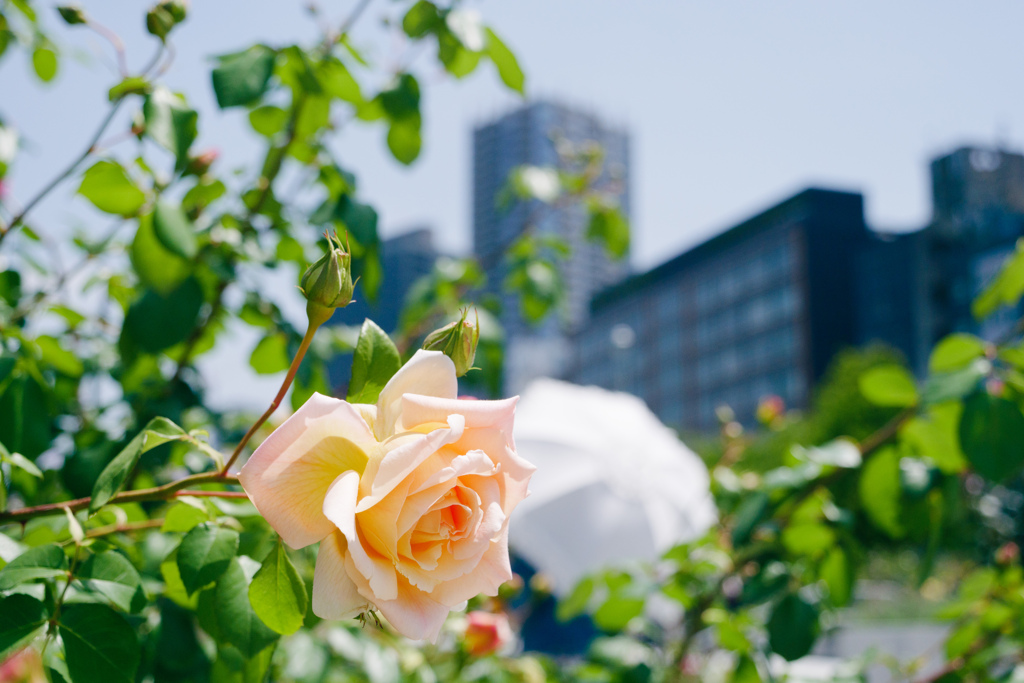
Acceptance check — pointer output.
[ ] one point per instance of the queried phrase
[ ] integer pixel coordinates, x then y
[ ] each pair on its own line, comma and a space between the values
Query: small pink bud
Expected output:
486, 633
770, 409
1008, 553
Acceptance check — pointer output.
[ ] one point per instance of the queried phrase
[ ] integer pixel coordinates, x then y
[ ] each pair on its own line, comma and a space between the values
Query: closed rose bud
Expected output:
327, 284
486, 633
159, 22
72, 15
458, 341
200, 164
177, 9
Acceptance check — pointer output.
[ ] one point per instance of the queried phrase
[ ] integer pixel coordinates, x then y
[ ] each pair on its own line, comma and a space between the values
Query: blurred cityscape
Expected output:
759, 310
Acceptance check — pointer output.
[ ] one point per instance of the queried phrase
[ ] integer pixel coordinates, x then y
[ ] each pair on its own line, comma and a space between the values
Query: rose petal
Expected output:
403, 456
414, 613
289, 474
339, 507
335, 596
418, 408
493, 570
430, 373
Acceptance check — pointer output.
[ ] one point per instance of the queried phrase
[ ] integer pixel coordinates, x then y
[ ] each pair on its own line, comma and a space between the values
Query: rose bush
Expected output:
409, 498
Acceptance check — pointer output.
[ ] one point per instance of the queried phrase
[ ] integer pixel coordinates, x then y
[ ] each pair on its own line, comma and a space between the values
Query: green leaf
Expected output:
360, 220
992, 436
205, 554
402, 100
21, 616
837, 573
268, 120
947, 386
59, 358
505, 62
404, 139
338, 82
609, 227
42, 562
935, 436
750, 512
242, 77
793, 627
174, 230
108, 187
955, 352
888, 385
277, 593
617, 611
157, 322
746, 672
159, 430
44, 61
574, 605
158, 268
133, 85
237, 622
25, 423
271, 354
1005, 290
881, 492
808, 539
170, 122
183, 517
376, 360
113, 576
421, 19
99, 645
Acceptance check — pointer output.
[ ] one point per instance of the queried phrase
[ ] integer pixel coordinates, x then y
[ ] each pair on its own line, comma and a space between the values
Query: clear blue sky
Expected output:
732, 105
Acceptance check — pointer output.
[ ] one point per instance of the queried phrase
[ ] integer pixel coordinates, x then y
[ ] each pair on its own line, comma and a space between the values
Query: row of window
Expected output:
743, 320
741, 276
747, 358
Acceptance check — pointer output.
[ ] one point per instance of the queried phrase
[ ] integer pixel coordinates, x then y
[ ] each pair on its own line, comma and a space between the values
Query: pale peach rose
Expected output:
410, 498
486, 632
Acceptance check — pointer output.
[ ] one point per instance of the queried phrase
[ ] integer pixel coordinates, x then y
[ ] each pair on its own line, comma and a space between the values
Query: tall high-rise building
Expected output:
530, 136
759, 309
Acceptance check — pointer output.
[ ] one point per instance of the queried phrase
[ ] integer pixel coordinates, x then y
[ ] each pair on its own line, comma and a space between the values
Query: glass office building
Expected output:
758, 310
530, 136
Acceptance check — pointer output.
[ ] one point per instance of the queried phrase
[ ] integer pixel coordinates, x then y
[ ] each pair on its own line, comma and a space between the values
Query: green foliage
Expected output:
205, 553
113, 477
242, 77
376, 360
21, 616
108, 187
99, 645
277, 593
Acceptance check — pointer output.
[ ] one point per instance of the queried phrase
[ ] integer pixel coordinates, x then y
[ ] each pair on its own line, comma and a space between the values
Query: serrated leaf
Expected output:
42, 562
21, 617
183, 517
277, 593
99, 645
159, 430
237, 622
205, 554
375, 361
113, 576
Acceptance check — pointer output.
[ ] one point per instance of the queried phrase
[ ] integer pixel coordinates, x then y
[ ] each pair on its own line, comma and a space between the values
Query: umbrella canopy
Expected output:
613, 484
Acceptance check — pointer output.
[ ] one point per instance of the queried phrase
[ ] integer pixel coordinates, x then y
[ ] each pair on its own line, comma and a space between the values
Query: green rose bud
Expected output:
159, 22
72, 15
327, 284
458, 341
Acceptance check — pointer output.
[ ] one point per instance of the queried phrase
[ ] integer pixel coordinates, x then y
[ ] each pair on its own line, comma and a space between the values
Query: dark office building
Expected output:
530, 136
760, 309
916, 288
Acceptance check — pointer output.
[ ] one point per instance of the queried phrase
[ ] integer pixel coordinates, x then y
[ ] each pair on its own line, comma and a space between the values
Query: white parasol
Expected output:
613, 484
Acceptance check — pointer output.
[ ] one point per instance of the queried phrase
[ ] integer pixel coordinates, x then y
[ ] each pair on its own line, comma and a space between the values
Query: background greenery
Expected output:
129, 553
